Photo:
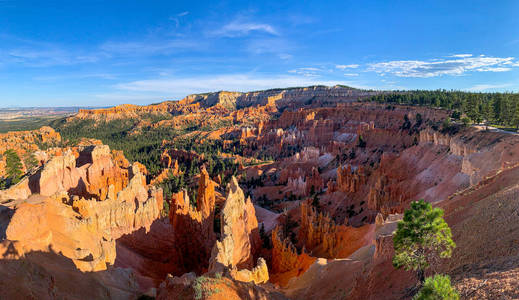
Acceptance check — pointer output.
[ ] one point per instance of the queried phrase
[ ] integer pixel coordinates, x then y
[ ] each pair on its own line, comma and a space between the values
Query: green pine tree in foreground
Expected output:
437, 288
421, 239
13, 166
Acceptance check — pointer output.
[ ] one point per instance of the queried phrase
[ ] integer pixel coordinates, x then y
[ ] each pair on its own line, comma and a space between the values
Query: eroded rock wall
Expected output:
240, 241
194, 226
26, 144
81, 229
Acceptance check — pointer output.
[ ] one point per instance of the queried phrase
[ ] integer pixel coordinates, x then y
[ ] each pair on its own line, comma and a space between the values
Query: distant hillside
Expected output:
30, 118
282, 98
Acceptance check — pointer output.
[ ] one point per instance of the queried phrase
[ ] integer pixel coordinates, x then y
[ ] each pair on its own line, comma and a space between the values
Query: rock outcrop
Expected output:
124, 111
214, 287
318, 230
239, 239
27, 144
81, 226
93, 174
350, 180
314, 182
286, 262
205, 198
319, 235
194, 226
285, 145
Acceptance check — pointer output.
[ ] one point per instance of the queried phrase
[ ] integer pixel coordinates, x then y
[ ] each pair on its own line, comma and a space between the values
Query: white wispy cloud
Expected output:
180, 87
285, 56
135, 48
45, 55
278, 46
106, 76
351, 74
453, 65
488, 87
241, 27
36, 53
307, 71
177, 18
342, 67
494, 69
461, 55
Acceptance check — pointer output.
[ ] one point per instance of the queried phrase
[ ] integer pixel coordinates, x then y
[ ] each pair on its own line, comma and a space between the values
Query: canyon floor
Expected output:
279, 194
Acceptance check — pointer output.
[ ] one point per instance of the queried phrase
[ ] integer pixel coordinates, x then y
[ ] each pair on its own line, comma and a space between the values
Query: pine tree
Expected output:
487, 112
422, 237
13, 166
516, 116
473, 109
438, 287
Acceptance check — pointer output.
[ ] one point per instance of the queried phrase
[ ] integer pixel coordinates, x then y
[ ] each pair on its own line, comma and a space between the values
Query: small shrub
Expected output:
465, 121
203, 286
437, 288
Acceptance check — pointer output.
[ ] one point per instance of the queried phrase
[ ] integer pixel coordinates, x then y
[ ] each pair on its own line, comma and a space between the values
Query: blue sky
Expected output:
100, 53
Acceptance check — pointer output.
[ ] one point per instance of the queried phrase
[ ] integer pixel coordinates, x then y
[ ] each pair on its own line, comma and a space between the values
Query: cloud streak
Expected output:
241, 27
487, 87
35, 54
232, 82
133, 48
454, 65
307, 71
343, 67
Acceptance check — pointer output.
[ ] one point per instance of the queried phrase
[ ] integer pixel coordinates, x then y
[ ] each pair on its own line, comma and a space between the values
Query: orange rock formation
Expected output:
286, 262
239, 239
194, 225
27, 143
81, 223
350, 180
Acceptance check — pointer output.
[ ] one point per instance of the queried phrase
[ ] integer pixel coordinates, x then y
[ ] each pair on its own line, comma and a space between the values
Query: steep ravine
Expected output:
87, 225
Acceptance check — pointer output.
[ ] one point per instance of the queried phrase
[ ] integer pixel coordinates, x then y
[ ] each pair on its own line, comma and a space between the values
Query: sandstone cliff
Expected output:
93, 174
28, 143
194, 226
81, 223
231, 101
239, 239
286, 262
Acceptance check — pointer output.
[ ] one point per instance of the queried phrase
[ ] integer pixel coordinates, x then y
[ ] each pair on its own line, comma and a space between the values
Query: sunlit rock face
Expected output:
27, 143
332, 176
79, 211
240, 241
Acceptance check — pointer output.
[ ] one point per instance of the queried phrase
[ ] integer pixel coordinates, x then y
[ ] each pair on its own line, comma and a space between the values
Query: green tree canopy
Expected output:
30, 161
13, 166
495, 108
437, 288
422, 237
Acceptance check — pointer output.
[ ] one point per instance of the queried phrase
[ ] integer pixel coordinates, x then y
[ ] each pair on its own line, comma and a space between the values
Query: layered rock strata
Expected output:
60, 219
194, 225
239, 240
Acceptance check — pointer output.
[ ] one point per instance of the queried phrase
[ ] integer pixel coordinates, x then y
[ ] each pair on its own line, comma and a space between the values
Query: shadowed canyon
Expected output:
289, 193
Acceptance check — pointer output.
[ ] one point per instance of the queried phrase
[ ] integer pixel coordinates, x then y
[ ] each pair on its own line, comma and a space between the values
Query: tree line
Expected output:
492, 108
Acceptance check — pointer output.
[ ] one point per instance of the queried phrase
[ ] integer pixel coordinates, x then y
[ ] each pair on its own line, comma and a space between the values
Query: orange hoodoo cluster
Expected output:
195, 236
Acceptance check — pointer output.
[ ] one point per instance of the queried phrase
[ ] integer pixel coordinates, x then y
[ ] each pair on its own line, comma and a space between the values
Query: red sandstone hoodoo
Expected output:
310, 213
